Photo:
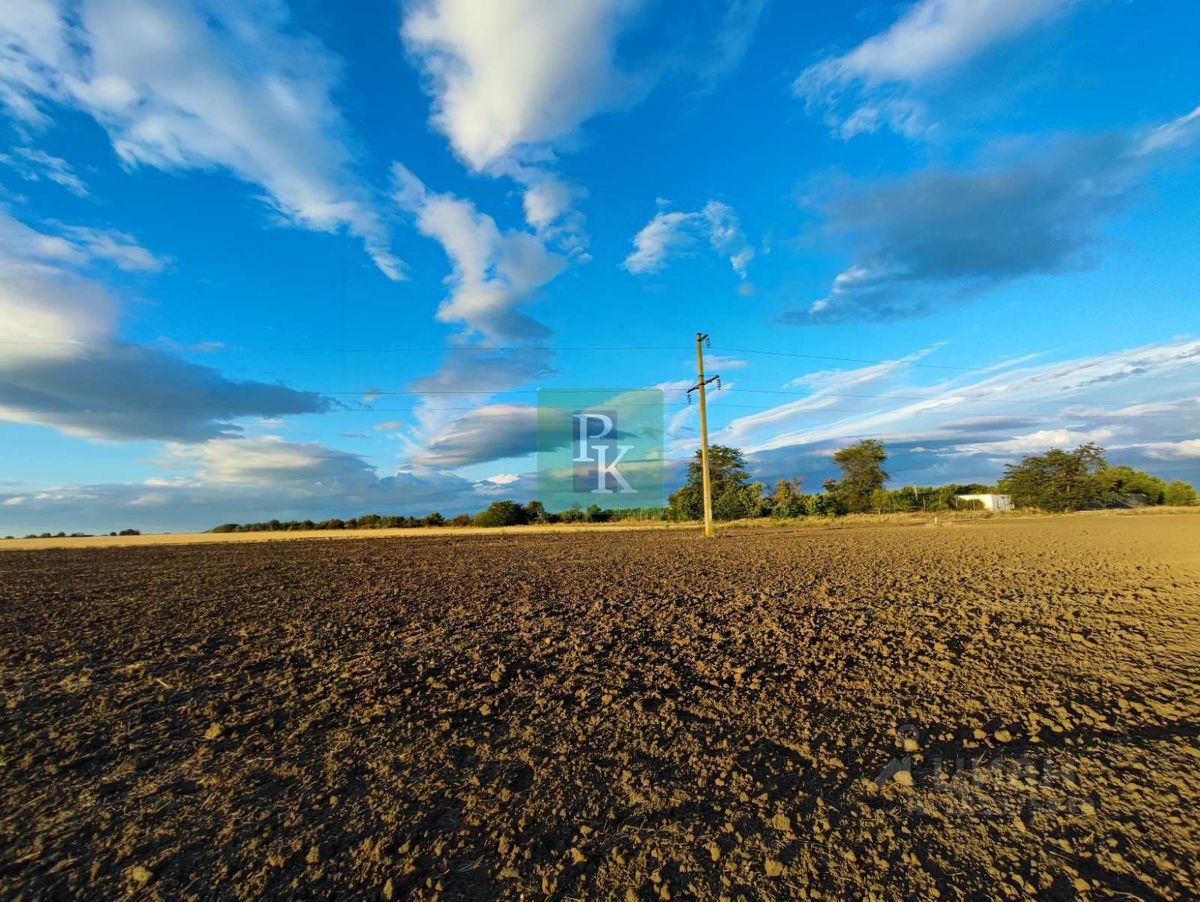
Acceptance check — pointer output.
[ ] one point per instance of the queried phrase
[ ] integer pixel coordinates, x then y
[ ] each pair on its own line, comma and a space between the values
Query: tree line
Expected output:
1054, 481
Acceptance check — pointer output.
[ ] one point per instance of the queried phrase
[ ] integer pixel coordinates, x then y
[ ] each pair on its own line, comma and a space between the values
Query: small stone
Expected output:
774, 867
485, 710
140, 875
314, 855
1087, 808
1003, 735
577, 857
1081, 885
213, 732
388, 889
903, 777
781, 822
911, 745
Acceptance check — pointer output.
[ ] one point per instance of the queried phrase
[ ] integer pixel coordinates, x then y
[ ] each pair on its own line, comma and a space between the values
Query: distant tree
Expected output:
734, 496
434, 519
461, 520
501, 513
593, 513
573, 514
1180, 493
1057, 480
1115, 482
862, 474
535, 512
130, 532
787, 498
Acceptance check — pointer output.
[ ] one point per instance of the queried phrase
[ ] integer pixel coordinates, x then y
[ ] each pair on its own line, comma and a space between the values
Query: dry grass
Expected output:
204, 538
851, 521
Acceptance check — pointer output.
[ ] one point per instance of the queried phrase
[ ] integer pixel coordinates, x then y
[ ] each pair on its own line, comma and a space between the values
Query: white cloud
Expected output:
1188, 449
491, 432
714, 362
493, 274
673, 232
1139, 401
240, 480
184, 86
493, 271
930, 40
34, 165
513, 80
503, 478
510, 77
61, 364
117, 248
75, 246
1178, 133
1040, 441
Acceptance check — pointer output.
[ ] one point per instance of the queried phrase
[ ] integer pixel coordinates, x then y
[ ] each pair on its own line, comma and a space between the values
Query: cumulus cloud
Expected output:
674, 232
943, 235
511, 76
494, 271
61, 364
197, 85
513, 80
932, 39
493, 274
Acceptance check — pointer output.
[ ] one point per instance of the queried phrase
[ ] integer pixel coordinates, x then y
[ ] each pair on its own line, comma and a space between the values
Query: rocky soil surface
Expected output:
987, 710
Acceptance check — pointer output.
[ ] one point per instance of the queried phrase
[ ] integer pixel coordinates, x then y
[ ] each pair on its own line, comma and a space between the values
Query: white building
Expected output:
989, 502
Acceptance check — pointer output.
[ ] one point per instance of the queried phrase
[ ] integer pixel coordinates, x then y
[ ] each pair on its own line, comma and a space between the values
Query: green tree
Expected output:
862, 475
1057, 480
535, 512
1179, 493
734, 495
1117, 481
501, 513
787, 498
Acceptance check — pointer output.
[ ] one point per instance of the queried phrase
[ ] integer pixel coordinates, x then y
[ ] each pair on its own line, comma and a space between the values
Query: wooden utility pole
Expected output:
701, 382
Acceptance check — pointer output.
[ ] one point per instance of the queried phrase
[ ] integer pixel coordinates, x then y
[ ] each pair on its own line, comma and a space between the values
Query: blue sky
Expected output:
255, 257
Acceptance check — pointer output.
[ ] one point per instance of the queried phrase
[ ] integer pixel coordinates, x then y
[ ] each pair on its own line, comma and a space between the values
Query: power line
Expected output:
799, 395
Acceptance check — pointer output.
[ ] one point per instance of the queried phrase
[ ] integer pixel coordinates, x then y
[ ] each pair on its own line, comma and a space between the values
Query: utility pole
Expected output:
701, 382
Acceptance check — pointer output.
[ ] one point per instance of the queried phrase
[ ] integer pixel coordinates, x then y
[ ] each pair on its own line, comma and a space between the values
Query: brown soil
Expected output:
993, 709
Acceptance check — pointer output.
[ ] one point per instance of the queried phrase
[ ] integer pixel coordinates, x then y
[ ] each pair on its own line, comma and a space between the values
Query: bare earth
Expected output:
995, 708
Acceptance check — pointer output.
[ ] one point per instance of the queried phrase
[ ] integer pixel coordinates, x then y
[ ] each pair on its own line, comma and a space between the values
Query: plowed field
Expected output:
997, 708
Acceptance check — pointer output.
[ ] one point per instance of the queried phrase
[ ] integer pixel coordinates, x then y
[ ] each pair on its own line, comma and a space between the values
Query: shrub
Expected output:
501, 513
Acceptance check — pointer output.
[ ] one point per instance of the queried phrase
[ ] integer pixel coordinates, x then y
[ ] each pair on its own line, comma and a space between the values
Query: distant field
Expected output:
1005, 708
852, 521
191, 538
